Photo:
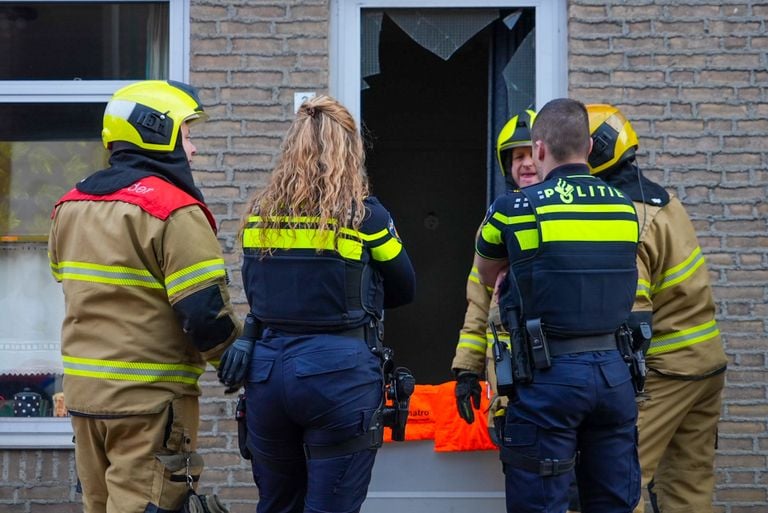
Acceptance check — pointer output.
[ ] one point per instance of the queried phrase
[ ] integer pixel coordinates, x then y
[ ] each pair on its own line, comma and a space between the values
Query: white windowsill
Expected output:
40, 433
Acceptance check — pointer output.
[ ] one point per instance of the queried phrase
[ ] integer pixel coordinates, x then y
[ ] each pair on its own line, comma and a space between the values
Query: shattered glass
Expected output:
442, 32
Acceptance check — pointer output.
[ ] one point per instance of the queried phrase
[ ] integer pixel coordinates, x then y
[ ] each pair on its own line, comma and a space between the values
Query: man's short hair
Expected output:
563, 125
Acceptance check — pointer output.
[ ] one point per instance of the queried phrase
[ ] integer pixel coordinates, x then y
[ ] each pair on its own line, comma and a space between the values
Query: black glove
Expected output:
467, 388
234, 363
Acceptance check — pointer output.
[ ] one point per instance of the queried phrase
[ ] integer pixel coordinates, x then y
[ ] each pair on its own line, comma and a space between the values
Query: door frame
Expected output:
344, 43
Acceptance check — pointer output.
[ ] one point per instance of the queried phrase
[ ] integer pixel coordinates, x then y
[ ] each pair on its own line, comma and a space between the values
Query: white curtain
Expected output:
31, 313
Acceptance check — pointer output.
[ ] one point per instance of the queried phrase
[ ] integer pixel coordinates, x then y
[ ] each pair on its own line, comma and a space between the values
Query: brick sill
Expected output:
31, 433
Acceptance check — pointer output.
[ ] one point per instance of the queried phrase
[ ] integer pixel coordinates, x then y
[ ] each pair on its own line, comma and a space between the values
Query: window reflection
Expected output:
44, 150
34, 395
84, 41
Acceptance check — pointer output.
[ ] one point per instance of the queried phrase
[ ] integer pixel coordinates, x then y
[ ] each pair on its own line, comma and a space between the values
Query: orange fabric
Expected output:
421, 417
432, 415
452, 433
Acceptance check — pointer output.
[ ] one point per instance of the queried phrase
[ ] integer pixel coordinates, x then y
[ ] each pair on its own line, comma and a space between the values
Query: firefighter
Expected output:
686, 363
322, 260
570, 244
135, 249
513, 153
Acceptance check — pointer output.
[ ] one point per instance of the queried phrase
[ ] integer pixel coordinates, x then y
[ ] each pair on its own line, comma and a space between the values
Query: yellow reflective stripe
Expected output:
111, 274
349, 244
132, 371
680, 272
509, 220
288, 219
581, 207
194, 274
387, 251
368, 237
503, 337
306, 238
527, 239
491, 234
589, 230
643, 289
472, 342
474, 275
684, 338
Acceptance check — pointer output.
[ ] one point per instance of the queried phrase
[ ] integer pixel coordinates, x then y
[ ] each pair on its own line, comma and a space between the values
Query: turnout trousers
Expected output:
678, 434
137, 464
319, 390
583, 403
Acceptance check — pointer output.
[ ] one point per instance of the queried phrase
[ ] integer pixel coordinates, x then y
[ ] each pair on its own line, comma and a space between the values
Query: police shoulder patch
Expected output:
392, 230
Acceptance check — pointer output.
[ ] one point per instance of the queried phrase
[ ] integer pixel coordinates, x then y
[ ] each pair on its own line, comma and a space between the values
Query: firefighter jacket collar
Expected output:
131, 164
630, 180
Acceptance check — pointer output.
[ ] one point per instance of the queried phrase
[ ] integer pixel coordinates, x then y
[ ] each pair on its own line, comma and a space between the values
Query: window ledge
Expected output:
40, 433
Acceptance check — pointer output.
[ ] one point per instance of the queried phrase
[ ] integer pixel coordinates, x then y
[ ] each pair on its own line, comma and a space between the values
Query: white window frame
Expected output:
551, 43
53, 432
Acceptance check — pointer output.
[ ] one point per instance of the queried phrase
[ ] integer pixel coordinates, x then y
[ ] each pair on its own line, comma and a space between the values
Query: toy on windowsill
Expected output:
59, 408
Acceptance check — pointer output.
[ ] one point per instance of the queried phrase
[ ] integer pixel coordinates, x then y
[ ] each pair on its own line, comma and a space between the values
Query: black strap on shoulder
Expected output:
545, 468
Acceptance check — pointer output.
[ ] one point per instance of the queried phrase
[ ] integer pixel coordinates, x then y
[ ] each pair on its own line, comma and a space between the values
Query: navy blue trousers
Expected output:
319, 390
586, 403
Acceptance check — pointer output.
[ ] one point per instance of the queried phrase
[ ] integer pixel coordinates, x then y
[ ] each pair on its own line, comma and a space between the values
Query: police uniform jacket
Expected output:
146, 296
571, 242
299, 280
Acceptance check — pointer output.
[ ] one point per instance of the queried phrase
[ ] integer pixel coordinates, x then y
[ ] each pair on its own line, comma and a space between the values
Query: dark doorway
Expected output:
426, 121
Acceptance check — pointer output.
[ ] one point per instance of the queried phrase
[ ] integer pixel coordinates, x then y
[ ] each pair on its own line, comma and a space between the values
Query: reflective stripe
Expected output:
586, 208
349, 243
589, 230
680, 272
112, 274
643, 289
132, 371
382, 252
194, 274
503, 337
304, 238
527, 239
474, 276
472, 342
687, 337
510, 220
386, 251
491, 234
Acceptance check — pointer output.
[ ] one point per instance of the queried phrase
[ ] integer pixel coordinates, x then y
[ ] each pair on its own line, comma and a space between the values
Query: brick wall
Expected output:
691, 76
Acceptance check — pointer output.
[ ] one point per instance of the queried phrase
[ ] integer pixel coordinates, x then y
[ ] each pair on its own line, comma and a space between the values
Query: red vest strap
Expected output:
152, 194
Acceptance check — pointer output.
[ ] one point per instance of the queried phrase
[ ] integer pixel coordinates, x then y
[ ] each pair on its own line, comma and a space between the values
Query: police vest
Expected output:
583, 275
300, 280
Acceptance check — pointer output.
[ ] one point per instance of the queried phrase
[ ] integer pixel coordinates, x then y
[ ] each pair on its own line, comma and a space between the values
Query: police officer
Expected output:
570, 243
686, 362
322, 260
146, 300
513, 153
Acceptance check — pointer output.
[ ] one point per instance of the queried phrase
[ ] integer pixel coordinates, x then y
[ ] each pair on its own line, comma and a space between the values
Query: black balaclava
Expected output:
129, 163
628, 178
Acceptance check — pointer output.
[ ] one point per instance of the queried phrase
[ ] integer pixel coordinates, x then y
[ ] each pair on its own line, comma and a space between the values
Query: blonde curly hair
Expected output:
320, 174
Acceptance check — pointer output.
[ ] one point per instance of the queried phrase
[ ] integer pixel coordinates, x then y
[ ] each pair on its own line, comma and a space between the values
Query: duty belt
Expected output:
559, 346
